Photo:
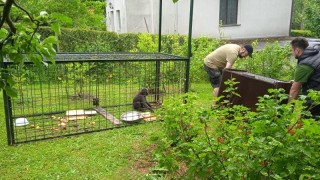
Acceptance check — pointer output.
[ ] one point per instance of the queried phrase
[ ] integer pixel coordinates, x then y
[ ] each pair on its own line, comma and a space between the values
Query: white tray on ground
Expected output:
80, 112
131, 116
21, 122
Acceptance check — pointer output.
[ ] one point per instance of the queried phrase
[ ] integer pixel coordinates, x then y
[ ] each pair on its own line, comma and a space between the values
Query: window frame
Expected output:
224, 14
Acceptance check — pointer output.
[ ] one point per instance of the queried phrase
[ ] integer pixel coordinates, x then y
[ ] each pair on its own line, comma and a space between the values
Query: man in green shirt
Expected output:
307, 73
223, 57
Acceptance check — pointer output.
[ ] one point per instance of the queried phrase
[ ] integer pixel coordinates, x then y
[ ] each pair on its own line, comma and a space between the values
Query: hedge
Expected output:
82, 40
302, 33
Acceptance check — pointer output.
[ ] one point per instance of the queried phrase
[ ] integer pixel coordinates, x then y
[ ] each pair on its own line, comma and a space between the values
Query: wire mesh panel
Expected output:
84, 93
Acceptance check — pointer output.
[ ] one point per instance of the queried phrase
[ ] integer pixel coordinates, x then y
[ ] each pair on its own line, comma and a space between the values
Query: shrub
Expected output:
201, 48
269, 61
301, 33
266, 62
279, 141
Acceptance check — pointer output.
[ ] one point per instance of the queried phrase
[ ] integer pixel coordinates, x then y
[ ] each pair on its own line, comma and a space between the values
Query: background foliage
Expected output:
302, 33
72, 13
266, 62
306, 16
269, 61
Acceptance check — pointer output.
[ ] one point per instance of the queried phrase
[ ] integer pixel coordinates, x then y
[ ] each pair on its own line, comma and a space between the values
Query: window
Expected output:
118, 20
111, 20
228, 12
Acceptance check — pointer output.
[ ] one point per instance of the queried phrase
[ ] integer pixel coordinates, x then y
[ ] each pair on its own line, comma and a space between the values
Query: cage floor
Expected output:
57, 125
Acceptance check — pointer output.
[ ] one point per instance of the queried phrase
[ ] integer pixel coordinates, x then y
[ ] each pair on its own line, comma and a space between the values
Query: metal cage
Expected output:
89, 92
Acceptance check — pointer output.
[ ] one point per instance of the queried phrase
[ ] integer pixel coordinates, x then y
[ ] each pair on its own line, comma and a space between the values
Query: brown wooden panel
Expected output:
251, 86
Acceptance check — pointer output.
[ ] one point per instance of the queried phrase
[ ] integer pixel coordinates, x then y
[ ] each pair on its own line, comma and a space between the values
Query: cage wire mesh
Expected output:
84, 93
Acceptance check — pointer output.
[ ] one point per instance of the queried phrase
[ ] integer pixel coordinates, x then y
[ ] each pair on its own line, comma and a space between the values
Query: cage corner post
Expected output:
7, 109
187, 75
158, 68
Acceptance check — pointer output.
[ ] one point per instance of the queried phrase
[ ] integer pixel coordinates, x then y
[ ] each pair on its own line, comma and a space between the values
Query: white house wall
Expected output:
140, 15
256, 18
261, 18
116, 16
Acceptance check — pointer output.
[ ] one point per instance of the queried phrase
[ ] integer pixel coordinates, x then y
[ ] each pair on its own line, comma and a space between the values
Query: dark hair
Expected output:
301, 43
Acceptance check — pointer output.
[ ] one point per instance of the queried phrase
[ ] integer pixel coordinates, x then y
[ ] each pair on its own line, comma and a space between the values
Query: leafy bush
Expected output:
273, 61
313, 16
279, 141
146, 43
266, 62
301, 33
201, 48
71, 13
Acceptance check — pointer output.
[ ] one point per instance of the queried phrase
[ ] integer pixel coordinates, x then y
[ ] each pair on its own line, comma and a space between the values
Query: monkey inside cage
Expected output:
84, 93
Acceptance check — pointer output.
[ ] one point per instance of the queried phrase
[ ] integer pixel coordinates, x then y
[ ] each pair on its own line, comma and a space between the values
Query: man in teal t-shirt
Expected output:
307, 73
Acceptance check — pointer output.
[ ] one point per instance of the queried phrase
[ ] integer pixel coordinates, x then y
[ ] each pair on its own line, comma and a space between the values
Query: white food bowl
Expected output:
21, 122
131, 116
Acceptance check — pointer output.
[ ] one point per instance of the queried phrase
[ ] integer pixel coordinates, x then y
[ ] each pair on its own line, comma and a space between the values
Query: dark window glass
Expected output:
228, 11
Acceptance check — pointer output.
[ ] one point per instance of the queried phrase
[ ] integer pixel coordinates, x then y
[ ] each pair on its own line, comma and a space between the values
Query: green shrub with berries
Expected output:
278, 141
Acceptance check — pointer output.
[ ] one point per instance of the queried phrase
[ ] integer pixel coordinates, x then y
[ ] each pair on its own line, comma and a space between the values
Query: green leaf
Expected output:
35, 58
52, 51
51, 40
3, 33
11, 92
16, 57
291, 167
56, 28
62, 18
10, 80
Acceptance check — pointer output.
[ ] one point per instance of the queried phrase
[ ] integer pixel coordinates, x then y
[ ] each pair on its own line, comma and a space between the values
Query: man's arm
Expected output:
294, 91
229, 65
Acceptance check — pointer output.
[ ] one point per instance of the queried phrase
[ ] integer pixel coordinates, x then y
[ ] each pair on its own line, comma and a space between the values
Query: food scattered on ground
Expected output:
63, 120
62, 125
73, 118
147, 116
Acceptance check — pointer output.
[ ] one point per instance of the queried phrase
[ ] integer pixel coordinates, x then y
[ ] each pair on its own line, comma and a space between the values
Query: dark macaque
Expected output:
140, 102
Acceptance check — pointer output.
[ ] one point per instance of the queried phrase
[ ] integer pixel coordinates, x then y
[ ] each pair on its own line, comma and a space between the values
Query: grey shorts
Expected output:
214, 76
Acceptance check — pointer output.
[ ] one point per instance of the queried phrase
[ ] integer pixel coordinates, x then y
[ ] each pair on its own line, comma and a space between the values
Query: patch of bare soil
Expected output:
143, 162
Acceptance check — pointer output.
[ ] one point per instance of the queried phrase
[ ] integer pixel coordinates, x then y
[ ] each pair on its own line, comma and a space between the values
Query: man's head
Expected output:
298, 45
245, 51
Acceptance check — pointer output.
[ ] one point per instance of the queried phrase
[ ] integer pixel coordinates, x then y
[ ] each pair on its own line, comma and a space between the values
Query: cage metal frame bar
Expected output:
169, 57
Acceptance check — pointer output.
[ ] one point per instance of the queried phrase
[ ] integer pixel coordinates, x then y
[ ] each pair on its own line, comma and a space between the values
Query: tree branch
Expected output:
6, 11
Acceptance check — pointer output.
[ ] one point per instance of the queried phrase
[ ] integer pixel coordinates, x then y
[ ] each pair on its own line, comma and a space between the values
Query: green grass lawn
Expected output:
121, 153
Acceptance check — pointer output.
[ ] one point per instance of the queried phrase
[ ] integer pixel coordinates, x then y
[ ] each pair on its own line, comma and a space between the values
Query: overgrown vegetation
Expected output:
20, 41
86, 14
306, 16
265, 62
269, 61
279, 141
302, 33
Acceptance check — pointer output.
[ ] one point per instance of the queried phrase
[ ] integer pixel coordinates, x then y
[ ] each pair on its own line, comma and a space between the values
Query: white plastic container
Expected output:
21, 122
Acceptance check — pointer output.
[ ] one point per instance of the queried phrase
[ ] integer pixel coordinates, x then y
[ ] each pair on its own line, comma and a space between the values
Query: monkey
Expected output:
140, 102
